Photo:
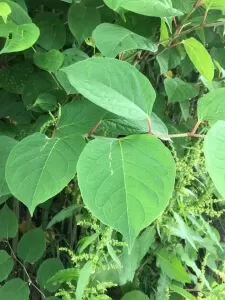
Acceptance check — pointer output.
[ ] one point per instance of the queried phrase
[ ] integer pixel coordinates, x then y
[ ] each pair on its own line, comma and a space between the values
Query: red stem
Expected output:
192, 133
94, 128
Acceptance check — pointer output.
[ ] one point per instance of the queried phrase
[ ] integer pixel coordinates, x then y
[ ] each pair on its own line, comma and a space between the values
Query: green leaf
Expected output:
172, 266
177, 289
46, 102
110, 176
50, 61
83, 280
47, 269
79, 116
184, 6
18, 15
82, 20
114, 85
38, 167
6, 265
86, 241
164, 34
214, 4
15, 289
53, 32
5, 10
137, 295
19, 37
63, 214
200, 58
211, 107
8, 223
112, 39
66, 275
6, 145
154, 8
214, 149
32, 246
177, 90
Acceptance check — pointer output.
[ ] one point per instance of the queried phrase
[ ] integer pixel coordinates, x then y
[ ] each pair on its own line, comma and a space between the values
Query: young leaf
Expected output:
200, 58
177, 289
6, 145
38, 167
211, 107
83, 280
177, 90
214, 149
164, 34
66, 275
50, 61
32, 245
5, 10
6, 265
172, 266
112, 39
214, 4
22, 37
154, 8
47, 269
46, 102
18, 15
82, 20
114, 85
110, 176
15, 289
137, 295
8, 223
53, 32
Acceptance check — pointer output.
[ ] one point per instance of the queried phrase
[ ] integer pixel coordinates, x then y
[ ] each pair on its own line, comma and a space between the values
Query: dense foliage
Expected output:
112, 149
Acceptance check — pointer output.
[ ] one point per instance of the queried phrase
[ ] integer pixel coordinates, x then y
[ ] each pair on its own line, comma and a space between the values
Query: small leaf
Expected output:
172, 266
66, 275
52, 29
154, 8
22, 37
86, 241
164, 34
15, 289
214, 149
38, 167
113, 187
200, 58
177, 90
18, 15
83, 280
32, 246
214, 4
82, 20
6, 145
114, 85
211, 107
50, 61
6, 265
177, 289
47, 269
63, 214
46, 102
137, 295
5, 10
112, 39
8, 223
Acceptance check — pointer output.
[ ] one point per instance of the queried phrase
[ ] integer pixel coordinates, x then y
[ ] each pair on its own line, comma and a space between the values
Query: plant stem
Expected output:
149, 126
192, 133
94, 128
179, 135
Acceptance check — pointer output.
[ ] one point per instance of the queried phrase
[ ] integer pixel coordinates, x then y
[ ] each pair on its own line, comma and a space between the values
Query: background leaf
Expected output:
8, 223
6, 265
137, 295
15, 289
50, 61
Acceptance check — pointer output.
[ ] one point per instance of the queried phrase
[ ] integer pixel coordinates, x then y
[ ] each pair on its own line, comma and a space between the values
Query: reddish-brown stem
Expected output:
174, 45
175, 22
192, 133
94, 128
149, 126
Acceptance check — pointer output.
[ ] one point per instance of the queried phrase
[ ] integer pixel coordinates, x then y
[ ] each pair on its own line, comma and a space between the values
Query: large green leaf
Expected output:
82, 20
200, 58
154, 8
126, 183
19, 37
39, 167
50, 61
79, 116
214, 149
8, 223
15, 289
211, 107
172, 266
137, 295
214, 4
47, 269
31, 246
6, 145
114, 85
177, 90
6, 265
53, 32
112, 39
